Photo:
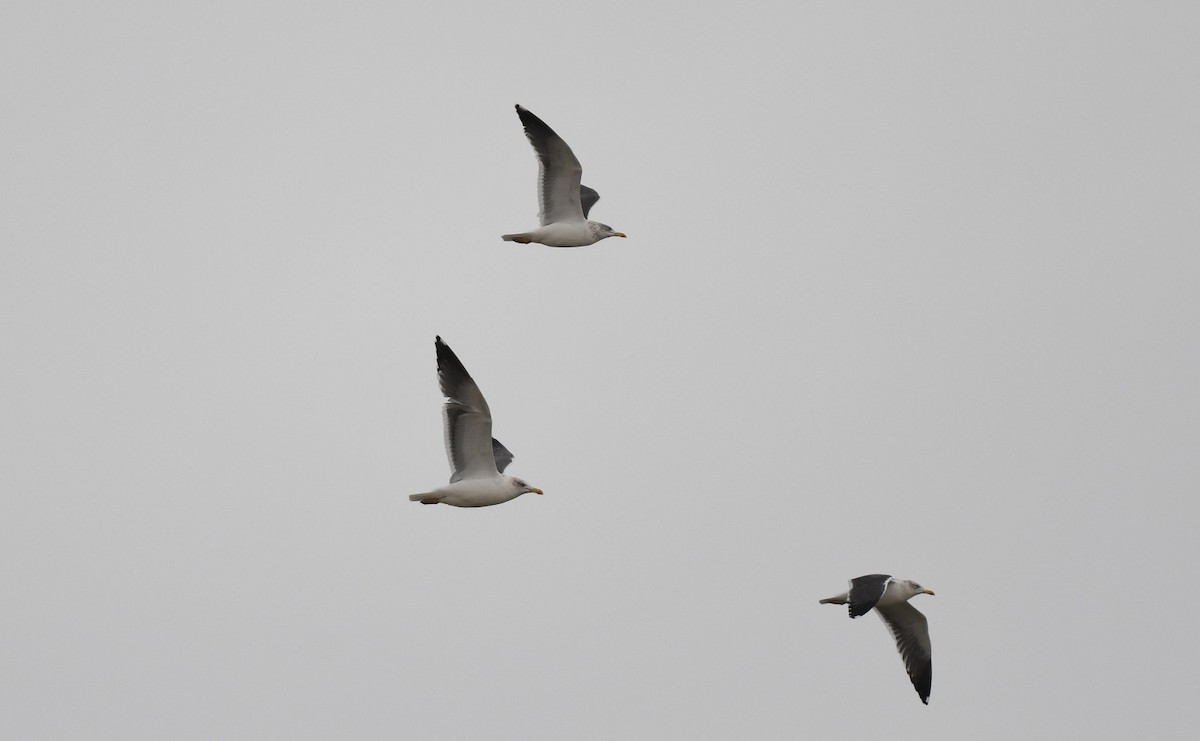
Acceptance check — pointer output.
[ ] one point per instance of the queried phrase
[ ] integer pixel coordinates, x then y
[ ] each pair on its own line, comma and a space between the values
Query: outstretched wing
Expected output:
865, 591
501, 454
587, 199
467, 421
558, 172
911, 631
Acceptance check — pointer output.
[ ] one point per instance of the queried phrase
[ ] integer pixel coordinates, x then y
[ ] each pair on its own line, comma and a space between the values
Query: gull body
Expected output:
564, 201
481, 492
565, 234
889, 598
477, 460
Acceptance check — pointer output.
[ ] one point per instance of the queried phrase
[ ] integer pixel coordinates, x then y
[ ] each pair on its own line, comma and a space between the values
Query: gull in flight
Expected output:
477, 460
890, 599
564, 201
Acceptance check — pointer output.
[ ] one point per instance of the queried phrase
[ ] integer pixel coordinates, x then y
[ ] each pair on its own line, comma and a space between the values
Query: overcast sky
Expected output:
909, 288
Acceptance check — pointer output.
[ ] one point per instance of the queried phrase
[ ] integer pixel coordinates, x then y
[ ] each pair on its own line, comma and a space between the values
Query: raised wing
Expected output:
558, 172
865, 591
587, 199
911, 631
501, 454
467, 421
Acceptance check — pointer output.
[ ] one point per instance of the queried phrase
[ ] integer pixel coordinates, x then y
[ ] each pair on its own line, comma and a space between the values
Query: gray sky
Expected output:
908, 289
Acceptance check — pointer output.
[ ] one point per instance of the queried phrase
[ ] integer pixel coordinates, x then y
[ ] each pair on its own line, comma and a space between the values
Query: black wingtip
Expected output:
444, 352
450, 369
856, 611
529, 119
923, 684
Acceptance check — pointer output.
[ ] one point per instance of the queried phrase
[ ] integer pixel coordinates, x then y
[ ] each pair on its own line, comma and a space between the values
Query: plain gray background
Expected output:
909, 288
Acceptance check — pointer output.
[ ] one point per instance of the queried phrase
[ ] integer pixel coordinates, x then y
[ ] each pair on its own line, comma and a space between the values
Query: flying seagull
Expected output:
477, 460
564, 202
890, 599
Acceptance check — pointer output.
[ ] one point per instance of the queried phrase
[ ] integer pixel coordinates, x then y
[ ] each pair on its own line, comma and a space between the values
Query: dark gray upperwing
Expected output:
865, 591
587, 199
501, 454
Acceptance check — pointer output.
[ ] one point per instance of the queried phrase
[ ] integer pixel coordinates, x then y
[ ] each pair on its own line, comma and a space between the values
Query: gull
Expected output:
564, 201
890, 599
477, 460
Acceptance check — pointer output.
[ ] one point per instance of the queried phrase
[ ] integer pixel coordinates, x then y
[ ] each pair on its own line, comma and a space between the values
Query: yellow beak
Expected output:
534, 491
618, 234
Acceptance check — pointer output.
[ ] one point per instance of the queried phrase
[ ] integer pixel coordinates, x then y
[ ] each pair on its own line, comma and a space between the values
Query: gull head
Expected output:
603, 231
524, 488
913, 589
